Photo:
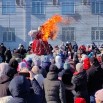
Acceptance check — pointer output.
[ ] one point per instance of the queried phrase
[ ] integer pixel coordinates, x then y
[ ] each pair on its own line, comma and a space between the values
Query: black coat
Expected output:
54, 89
95, 79
4, 83
79, 81
66, 79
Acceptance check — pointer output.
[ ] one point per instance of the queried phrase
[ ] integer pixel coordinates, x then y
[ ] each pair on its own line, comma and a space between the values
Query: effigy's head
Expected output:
36, 34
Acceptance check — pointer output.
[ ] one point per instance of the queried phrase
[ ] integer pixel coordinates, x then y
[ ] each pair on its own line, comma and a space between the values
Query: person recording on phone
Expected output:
34, 85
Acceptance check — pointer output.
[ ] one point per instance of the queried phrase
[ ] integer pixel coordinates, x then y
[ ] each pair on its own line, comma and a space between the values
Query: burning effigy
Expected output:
46, 31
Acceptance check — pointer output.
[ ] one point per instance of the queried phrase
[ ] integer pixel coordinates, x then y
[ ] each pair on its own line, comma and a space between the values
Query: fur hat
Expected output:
79, 67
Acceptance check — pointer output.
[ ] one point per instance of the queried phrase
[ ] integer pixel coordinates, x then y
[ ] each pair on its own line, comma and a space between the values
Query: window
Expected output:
85, 2
20, 3
97, 7
68, 7
55, 2
9, 35
8, 7
68, 34
97, 33
38, 7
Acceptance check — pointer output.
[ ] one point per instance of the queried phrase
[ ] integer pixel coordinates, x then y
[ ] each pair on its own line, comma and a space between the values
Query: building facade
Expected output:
84, 20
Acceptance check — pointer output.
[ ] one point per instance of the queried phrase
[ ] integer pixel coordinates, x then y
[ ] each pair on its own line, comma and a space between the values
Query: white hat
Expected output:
79, 67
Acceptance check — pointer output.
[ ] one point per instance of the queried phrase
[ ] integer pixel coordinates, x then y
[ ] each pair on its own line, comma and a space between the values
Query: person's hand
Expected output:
31, 75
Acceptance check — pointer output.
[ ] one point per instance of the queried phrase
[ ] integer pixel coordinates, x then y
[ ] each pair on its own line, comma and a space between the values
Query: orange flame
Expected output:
50, 29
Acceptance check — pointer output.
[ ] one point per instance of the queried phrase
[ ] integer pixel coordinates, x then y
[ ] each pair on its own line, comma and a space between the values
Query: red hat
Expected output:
80, 100
86, 64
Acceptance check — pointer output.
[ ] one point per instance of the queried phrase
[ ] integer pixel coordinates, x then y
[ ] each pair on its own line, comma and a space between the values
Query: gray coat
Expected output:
53, 88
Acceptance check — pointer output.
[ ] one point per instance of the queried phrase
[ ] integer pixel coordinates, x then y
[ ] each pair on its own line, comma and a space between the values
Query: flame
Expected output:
50, 29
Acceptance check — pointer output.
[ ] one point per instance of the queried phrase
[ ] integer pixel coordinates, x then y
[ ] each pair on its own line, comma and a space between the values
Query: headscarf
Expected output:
5, 69
58, 62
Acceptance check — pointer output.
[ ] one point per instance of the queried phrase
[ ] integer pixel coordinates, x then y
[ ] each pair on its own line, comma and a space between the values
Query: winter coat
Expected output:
4, 83
66, 79
53, 88
95, 79
75, 47
79, 80
20, 90
8, 55
40, 79
38, 92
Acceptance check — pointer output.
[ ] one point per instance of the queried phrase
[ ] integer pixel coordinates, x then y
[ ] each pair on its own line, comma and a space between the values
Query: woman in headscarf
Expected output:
6, 75
37, 75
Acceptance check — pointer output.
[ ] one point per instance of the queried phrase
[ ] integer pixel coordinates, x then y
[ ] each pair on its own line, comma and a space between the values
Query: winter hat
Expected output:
14, 64
80, 100
22, 65
79, 67
86, 64
58, 61
99, 95
91, 55
53, 68
4, 68
66, 65
35, 69
84, 56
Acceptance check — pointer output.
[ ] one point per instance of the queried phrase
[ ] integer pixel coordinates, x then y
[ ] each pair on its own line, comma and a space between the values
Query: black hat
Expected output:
53, 68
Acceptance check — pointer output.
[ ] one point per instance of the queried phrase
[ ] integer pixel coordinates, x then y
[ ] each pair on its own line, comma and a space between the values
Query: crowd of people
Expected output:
69, 74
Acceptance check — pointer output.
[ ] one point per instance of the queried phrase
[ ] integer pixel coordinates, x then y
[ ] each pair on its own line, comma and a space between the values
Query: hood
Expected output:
4, 79
19, 86
4, 68
52, 76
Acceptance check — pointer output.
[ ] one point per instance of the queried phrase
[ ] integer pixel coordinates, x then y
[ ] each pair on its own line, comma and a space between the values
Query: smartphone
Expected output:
25, 74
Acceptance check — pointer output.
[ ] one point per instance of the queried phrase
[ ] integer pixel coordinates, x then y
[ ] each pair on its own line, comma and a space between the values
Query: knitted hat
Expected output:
53, 68
66, 65
86, 64
99, 95
79, 67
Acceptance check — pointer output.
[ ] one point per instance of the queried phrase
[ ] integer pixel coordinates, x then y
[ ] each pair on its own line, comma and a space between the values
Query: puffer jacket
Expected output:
53, 88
